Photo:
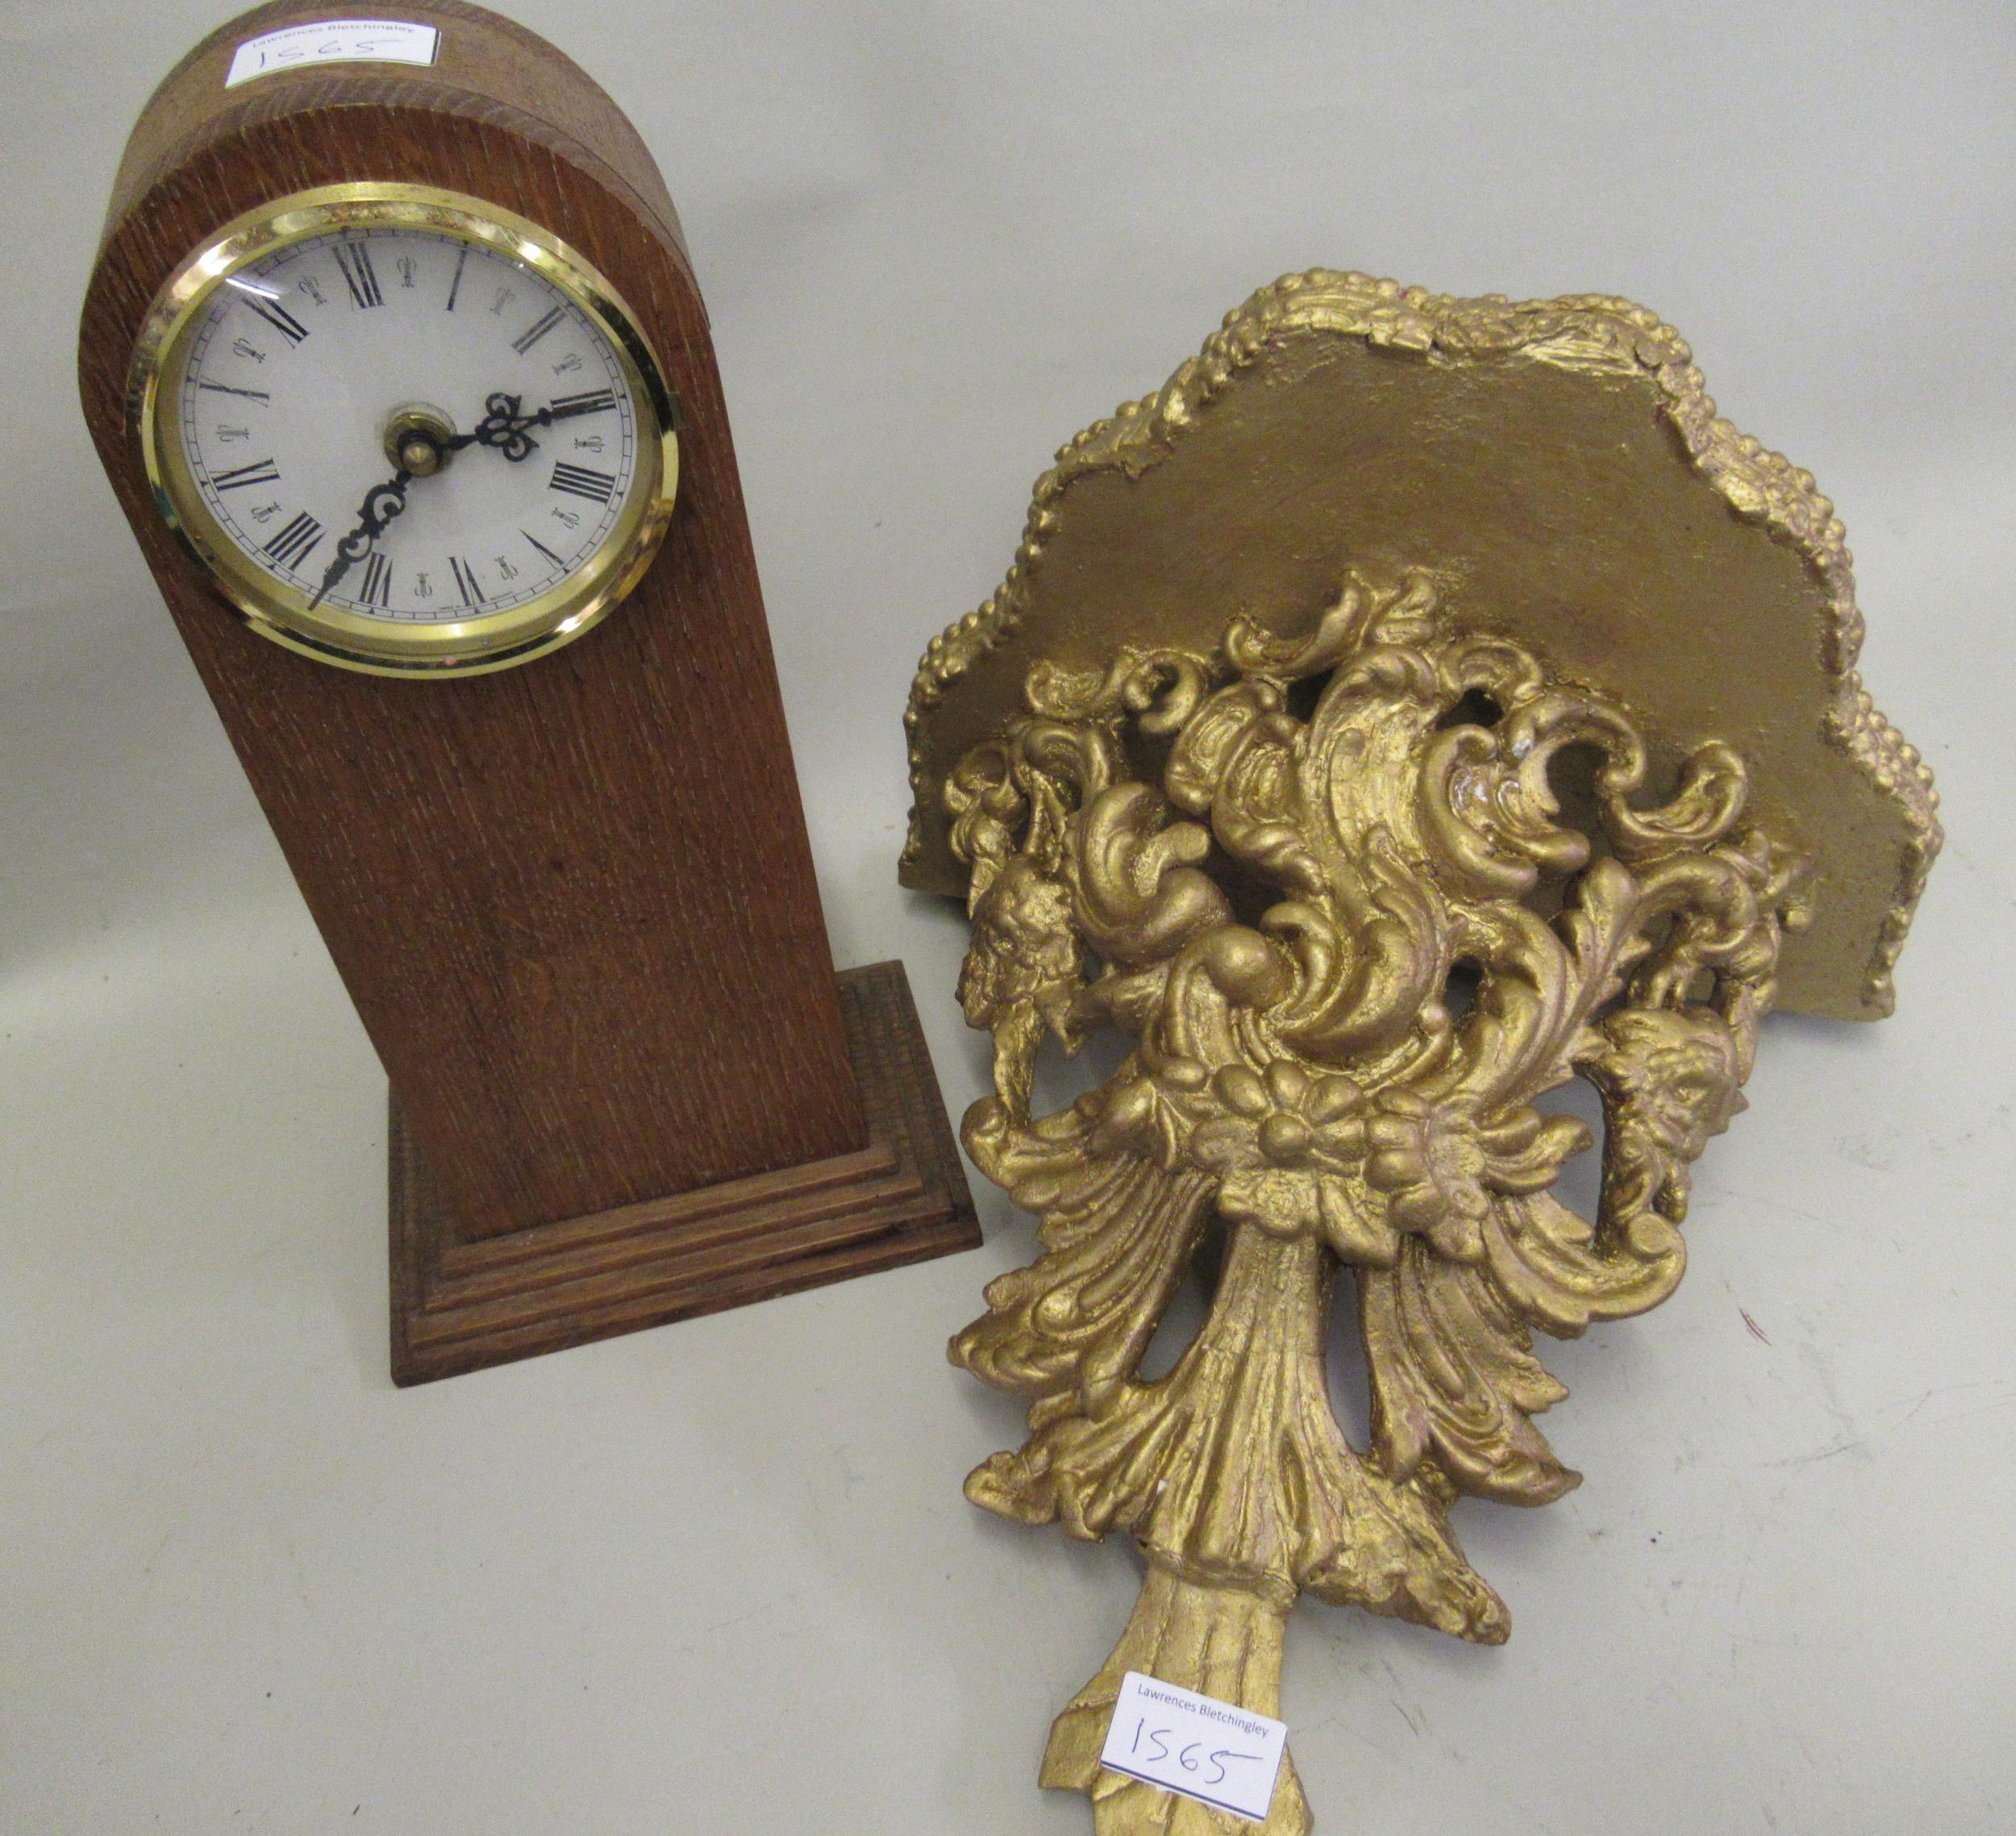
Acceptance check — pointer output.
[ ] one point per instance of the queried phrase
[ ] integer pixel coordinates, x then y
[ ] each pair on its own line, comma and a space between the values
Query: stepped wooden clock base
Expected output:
460, 1302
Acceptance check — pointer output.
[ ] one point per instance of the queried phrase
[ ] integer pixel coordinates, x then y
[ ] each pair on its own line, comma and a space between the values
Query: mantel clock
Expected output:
394, 357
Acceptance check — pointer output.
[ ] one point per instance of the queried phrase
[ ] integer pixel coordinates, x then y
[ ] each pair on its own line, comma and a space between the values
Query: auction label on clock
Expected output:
333, 41
1216, 1752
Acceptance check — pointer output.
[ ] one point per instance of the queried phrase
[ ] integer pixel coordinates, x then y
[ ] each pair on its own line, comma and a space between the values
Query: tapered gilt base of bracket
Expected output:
460, 1302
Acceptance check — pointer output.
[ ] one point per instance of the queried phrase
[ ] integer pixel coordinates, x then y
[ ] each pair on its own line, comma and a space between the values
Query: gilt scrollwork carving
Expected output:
1391, 882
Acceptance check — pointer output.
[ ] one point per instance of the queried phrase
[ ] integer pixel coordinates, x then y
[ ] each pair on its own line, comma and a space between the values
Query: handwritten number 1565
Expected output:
1189, 1758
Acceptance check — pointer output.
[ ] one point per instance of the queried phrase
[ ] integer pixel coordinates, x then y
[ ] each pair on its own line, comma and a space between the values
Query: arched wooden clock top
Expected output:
574, 900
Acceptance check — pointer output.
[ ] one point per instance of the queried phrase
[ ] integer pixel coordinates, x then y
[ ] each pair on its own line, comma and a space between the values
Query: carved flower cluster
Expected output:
1439, 1165
1281, 1148
1299, 1151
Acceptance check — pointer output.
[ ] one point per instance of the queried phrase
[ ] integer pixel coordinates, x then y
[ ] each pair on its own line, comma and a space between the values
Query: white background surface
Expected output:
720, 1577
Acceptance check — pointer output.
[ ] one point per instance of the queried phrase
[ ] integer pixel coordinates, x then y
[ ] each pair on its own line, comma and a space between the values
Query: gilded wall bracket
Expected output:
1416, 706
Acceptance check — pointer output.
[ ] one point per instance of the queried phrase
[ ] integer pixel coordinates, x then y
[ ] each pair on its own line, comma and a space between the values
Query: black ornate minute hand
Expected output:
381, 503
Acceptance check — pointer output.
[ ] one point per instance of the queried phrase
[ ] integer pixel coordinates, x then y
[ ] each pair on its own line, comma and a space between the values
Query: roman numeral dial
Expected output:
583, 481
375, 589
295, 541
538, 329
353, 262
395, 427
259, 472
277, 316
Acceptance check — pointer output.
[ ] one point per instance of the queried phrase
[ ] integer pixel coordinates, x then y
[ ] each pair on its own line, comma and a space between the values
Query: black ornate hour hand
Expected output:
381, 503
502, 426
507, 428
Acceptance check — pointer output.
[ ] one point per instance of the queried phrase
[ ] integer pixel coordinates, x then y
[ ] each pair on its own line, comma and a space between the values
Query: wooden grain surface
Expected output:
486, 63
574, 902
460, 1303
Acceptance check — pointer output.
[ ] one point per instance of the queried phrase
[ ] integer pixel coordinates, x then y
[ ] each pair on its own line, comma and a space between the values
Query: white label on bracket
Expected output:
335, 41
1216, 1752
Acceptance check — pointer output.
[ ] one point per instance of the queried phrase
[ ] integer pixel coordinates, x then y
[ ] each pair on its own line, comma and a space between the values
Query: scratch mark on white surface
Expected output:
1824, 1453
167, 1537
1938, 1419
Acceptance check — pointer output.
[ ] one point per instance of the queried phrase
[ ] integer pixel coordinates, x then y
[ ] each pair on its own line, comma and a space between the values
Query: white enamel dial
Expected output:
303, 359
408, 444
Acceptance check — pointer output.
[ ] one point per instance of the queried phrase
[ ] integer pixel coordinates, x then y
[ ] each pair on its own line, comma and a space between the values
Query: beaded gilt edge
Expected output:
1580, 331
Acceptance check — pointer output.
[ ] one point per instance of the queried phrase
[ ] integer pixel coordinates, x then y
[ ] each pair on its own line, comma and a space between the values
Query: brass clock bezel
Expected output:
277, 611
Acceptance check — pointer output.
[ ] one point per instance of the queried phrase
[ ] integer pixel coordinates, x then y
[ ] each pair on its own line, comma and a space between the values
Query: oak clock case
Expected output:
473, 593
351, 334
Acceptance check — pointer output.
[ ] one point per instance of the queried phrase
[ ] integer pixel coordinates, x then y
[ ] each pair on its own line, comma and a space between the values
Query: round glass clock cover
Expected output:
406, 431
